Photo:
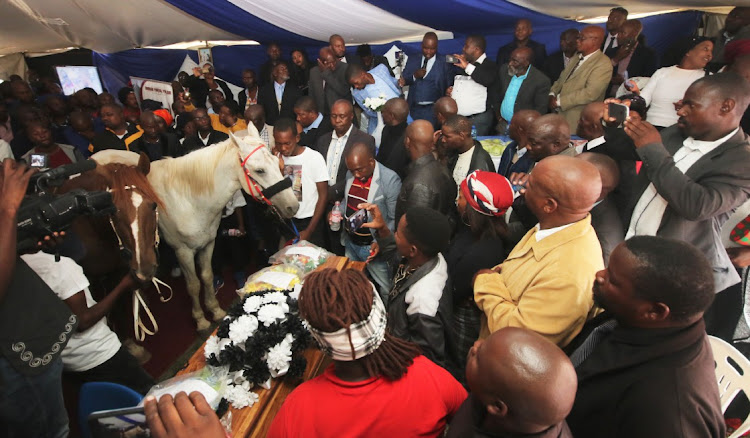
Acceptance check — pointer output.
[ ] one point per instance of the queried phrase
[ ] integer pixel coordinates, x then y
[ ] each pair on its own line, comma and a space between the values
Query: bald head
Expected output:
444, 108
525, 382
548, 135
591, 40
395, 111
520, 124
419, 139
608, 171
569, 187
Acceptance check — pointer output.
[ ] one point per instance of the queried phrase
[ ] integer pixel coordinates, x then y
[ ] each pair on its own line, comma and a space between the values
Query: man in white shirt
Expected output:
93, 353
695, 173
307, 170
257, 116
483, 71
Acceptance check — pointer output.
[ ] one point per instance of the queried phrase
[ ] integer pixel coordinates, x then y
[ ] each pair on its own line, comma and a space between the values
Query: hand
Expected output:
374, 251
377, 222
197, 72
449, 91
641, 132
462, 62
617, 79
421, 73
552, 103
15, 180
49, 243
129, 282
182, 417
611, 120
631, 86
281, 160
495, 270
519, 179
436, 137
401, 82
305, 235
623, 52
740, 256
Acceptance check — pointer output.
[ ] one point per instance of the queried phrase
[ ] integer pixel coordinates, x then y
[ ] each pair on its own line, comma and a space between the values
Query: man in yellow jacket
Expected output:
545, 284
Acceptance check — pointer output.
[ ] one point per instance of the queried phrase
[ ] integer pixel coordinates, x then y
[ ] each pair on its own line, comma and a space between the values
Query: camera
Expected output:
42, 213
451, 59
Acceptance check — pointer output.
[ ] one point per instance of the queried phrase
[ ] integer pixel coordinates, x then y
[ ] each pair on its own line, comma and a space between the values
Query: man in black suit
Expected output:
556, 62
370, 61
482, 70
338, 46
249, 95
522, 36
392, 153
206, 135
273, 50
508, 96
334, 147
467, 154
644, 366
694, 175
155, 144
630, 58
276, 98
617, 17
314, 124
328, 81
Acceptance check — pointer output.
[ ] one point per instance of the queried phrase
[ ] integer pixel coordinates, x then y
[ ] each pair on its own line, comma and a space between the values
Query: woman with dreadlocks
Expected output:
378, 385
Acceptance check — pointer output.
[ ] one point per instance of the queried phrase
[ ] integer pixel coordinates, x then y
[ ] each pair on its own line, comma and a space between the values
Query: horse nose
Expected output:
291, 210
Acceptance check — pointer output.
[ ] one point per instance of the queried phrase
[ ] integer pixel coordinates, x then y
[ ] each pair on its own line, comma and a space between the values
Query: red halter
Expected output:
256, 191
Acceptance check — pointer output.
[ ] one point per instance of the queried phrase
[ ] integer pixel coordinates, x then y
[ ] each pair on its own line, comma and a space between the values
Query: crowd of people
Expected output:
567, 291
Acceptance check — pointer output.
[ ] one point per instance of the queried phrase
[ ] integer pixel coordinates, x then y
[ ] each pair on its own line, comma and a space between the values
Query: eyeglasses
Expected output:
583, 37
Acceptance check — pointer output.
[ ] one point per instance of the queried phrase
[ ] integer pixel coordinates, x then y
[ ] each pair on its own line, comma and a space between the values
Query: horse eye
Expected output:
261, 171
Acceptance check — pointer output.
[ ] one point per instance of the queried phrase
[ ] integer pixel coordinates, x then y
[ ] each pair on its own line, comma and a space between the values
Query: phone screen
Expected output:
39, 161
619, 111
356, 220
451, 59
127, 422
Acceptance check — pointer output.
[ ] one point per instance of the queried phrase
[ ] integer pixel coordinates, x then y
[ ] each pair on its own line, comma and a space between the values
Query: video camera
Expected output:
42, 213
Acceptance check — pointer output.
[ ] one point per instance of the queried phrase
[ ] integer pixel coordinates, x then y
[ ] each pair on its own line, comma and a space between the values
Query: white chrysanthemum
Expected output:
274, 297
279, 356
223, 343
240, 397
270, 313
242, 328
212, 347
252, 304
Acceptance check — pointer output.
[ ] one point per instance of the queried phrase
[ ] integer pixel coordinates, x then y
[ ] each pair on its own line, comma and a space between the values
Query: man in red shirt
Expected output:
40, 135
378, 385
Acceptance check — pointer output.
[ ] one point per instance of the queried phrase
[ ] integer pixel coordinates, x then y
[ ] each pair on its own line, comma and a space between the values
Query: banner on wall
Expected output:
155, 90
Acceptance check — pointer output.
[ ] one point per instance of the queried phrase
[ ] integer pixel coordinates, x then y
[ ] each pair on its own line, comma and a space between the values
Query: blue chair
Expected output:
102, 396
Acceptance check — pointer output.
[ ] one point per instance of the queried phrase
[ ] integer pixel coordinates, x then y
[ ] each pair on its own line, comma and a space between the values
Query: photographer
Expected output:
31, 338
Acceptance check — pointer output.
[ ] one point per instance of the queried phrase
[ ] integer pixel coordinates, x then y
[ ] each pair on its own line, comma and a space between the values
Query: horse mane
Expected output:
122, 175
195, 173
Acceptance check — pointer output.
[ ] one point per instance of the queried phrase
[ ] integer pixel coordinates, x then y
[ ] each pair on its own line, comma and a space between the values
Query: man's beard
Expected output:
597, 295
512, 71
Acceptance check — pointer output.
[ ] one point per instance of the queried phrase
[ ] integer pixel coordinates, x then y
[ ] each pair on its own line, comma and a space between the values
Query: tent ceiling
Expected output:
101, 25
583, 9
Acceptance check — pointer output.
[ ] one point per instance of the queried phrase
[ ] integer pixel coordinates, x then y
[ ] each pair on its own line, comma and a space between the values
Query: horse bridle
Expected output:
126, 252
257, 191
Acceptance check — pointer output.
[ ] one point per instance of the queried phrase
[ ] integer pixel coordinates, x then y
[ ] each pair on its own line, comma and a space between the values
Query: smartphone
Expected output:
619, 111
126, 422
356, 220
39, 161
451, 59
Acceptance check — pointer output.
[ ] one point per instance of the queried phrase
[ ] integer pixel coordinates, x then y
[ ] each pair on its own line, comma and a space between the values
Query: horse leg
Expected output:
207, 276
186, 258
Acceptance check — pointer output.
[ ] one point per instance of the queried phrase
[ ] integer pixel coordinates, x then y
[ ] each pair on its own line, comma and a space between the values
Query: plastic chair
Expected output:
102, 396
731, 380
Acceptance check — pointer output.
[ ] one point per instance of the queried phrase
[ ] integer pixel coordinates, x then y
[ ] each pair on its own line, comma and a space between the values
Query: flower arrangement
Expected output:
262, 337
376, 103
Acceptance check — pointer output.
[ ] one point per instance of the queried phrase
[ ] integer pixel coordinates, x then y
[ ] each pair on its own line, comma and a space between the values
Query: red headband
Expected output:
487, 192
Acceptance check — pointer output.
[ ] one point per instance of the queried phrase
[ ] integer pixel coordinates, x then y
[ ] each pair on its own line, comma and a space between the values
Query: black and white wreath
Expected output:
261, 338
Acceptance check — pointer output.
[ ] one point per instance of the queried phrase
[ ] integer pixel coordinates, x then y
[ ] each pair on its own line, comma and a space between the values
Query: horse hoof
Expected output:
219, 314
202, 324
141, 354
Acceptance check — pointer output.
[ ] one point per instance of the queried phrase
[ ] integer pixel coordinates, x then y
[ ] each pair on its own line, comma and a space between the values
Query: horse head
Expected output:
260, 175
135, 223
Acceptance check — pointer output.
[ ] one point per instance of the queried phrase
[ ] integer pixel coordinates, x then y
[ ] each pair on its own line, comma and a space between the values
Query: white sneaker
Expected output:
175, 272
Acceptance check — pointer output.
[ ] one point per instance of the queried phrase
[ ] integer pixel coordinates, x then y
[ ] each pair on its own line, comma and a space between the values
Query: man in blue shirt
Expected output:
428, 76
276, 98
373, 84
520, 86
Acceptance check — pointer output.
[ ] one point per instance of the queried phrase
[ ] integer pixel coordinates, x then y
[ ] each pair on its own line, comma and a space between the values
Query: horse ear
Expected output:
144, 164
234, 139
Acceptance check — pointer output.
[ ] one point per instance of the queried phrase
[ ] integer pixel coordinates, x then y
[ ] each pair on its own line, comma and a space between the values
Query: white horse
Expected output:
195, 189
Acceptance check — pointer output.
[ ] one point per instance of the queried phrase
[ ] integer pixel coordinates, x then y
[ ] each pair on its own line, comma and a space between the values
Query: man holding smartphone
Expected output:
371, 182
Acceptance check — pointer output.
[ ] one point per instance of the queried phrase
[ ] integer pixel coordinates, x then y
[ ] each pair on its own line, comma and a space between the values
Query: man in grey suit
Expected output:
334, 147
328, 82
695, 173
520, 86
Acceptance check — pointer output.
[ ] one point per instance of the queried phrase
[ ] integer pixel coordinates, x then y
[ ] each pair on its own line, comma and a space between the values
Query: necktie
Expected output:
610, 43
575, 67
595, 338
424, 63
